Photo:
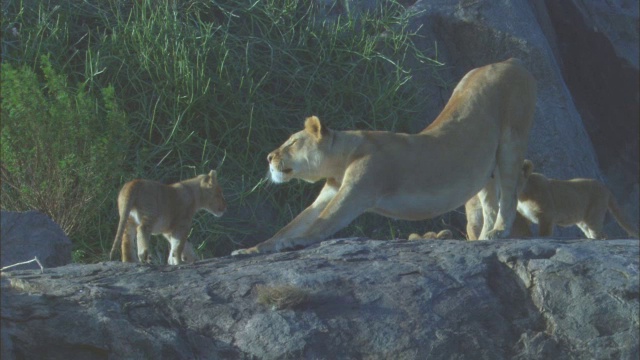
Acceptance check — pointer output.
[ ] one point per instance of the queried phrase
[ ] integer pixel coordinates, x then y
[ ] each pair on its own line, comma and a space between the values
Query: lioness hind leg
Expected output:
592, 230
509, 169
489, 202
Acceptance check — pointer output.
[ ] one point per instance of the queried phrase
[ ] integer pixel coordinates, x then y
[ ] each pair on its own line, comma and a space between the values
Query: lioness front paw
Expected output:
496, 234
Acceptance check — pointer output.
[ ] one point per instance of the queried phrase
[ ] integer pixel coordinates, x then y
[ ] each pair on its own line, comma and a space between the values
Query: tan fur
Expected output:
432, 235
521, 227
148, 207
582, 202
481, 134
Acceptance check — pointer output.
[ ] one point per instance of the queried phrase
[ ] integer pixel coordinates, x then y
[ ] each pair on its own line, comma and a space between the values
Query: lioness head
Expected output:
302, 155
212, 198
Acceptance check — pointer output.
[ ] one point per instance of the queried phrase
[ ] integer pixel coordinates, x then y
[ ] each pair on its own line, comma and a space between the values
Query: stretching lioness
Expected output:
148, 207
482, 133
581, 202
432, 235
521, 227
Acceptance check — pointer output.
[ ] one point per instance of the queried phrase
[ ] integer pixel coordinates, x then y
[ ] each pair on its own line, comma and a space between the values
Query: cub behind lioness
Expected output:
148, 207
581, 202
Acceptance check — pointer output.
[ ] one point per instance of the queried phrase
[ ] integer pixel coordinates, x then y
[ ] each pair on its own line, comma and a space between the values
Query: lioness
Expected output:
148, 207
432, 235
482, 133
473, 209
581, 202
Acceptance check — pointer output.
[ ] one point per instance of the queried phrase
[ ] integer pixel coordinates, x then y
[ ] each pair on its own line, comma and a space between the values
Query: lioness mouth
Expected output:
287, 171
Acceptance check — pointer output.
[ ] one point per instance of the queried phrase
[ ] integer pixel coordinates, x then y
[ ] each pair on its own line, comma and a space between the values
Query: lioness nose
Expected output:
269, 157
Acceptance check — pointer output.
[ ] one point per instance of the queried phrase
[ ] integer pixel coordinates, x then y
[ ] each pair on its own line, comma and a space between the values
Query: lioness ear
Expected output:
313, 126
527, 168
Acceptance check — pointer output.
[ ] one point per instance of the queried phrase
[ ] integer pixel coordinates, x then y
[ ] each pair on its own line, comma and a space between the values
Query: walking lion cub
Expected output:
148, 207
581, 202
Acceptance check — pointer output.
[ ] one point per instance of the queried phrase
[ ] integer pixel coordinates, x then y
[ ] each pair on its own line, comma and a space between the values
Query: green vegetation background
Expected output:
99, 92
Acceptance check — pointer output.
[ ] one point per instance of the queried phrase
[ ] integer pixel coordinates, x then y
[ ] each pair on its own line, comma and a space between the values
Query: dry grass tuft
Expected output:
282, 296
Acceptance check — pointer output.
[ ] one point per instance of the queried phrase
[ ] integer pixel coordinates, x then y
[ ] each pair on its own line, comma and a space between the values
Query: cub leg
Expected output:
128, 237
177, 239
545, 227
143, 242
188, 253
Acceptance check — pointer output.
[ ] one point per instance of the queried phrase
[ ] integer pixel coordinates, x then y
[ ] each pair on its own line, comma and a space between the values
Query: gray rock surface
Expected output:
584, 55
448, 299
29, 234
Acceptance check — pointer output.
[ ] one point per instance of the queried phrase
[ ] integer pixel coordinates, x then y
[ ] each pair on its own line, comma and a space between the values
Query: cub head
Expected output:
302, 155
527, 169
212, 198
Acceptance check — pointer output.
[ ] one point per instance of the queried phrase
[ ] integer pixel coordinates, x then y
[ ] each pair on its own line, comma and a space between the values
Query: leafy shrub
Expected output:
220, 83
62, 149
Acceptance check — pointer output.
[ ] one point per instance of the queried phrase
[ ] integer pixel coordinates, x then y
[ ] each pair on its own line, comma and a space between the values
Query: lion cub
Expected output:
581, 202
432, 235
148, 207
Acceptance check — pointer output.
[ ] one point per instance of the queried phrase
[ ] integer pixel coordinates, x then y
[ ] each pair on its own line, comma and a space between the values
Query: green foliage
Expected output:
62, 149
218, 84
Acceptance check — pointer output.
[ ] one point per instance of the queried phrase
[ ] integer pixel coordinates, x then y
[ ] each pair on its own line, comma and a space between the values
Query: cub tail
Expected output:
124, 208
622, 220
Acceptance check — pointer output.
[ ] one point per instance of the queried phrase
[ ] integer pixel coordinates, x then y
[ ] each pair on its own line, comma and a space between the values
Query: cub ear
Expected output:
313, 126
527, 168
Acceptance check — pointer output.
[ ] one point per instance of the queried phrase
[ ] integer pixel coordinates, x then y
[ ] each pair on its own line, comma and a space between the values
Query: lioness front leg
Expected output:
298, 225
341, 210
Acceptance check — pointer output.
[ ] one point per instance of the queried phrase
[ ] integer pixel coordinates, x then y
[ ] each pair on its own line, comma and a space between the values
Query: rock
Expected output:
584, 55
448, 299
26, 235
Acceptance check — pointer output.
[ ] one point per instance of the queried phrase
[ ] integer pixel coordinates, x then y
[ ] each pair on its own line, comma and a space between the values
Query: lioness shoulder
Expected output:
582, 202
148, 207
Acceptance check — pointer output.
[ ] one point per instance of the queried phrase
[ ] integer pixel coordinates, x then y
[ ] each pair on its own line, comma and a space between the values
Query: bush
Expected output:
62, 150
218, 84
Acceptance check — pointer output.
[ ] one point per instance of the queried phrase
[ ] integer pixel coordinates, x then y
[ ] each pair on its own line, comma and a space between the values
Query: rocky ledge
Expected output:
356, 299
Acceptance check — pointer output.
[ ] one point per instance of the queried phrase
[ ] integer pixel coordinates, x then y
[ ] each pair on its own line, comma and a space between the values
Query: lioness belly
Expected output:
416, 206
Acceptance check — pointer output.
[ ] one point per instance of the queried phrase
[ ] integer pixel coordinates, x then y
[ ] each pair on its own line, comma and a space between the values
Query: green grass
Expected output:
218, 85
